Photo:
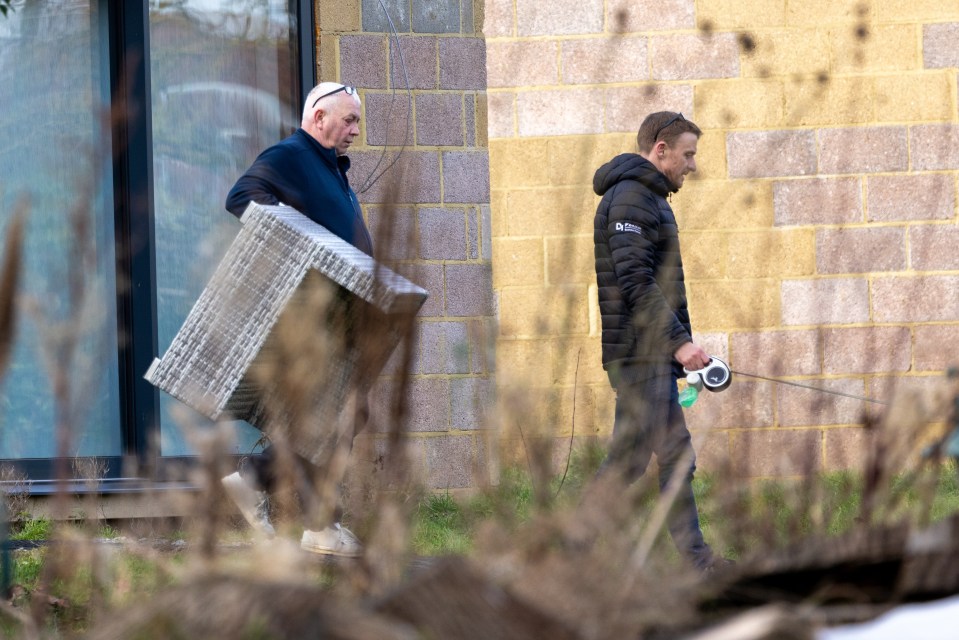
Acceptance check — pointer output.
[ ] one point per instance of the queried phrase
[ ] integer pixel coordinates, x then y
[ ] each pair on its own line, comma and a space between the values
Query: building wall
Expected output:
429, 213
818, 235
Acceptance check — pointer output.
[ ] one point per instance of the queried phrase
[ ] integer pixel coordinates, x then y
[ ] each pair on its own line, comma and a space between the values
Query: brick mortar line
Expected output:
832, 176
837, 27
557, 186
529, 89
812, 327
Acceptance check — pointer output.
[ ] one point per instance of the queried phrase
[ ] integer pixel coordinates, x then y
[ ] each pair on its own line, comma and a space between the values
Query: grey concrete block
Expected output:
462, 63
472, 399
442, 234
436, 16
443, 348
466, 177
469, 290
375, 19
439, 119
363, 61
450, 462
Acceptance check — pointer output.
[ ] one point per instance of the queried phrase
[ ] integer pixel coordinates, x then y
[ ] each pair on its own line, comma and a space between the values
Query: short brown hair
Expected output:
665, 126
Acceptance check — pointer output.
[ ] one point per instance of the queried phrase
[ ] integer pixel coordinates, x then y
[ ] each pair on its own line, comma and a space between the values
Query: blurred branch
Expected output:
9, 276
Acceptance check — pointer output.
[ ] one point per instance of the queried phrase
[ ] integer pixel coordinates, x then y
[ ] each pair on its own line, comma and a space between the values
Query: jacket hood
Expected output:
631, 166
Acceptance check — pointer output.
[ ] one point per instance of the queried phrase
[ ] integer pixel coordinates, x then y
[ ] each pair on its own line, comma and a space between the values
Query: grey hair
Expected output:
319, 90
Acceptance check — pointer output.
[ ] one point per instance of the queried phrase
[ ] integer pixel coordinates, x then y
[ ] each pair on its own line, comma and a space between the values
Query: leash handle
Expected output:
715, 376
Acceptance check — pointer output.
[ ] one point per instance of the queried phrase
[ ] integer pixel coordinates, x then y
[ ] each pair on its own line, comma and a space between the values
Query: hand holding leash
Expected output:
715, 376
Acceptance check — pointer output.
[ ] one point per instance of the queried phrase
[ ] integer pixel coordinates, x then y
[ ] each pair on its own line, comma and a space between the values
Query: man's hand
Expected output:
691, 356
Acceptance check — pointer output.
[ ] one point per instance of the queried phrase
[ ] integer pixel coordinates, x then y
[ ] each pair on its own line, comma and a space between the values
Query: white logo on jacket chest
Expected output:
629, 227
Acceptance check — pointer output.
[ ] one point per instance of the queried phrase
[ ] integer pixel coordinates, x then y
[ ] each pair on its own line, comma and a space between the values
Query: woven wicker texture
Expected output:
226, 360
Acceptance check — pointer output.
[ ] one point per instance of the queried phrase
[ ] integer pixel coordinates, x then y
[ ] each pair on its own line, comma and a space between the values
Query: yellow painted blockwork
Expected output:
740, 14
551, 211
517, 261
518, 163
499, 221
915, 10
738, 103
805, 65
871, 48
724, 204
710, 156
829, 100
772, 253
574, 159
549, 412
340, 16
784, 52
327, 58
577, 359
813, 13
704, 254
917, 97
522, 362
532, 311
570, 260
722, 305
568, 418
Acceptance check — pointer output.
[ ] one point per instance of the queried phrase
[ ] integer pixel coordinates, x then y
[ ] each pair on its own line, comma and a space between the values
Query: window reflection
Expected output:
54, 150
222, 77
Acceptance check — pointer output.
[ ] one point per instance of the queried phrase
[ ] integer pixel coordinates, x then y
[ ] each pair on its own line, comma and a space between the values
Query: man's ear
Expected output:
659, 149
318, 116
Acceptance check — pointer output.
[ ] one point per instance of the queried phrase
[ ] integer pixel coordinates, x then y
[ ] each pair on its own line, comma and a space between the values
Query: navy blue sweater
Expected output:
302, 173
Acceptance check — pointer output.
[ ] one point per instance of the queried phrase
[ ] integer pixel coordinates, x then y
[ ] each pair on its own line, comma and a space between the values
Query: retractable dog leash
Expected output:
717, 376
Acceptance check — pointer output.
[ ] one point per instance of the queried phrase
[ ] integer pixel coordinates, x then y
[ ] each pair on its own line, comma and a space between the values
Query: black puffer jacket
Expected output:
639, 271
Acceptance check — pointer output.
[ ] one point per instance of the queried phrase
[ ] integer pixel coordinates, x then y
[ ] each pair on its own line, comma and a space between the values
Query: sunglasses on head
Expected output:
676, 117
347, 89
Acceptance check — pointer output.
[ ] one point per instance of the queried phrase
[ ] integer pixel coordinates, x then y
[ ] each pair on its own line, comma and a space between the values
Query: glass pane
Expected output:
223, 81
55, 163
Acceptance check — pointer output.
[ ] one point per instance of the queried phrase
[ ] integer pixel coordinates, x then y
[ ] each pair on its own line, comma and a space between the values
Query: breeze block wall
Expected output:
429, 212
819, 234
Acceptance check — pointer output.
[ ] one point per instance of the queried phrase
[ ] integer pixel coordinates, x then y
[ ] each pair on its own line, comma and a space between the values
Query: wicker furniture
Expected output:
287, 288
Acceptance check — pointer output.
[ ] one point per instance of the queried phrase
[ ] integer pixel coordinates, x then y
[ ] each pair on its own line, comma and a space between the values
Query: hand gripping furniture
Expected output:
293, 320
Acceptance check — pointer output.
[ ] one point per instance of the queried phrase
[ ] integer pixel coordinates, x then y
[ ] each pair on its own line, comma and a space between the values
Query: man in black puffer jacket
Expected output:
647, 338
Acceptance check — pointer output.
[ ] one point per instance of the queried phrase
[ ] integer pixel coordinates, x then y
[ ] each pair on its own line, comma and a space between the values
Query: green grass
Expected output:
760, 515
444, 525
32, 529
441, 527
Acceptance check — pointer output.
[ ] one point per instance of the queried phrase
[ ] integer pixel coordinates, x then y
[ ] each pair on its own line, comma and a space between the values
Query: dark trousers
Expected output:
649, 420
263, 471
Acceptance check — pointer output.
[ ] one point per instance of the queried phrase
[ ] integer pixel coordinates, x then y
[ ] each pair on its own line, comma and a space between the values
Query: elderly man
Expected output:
306, 171
647, 339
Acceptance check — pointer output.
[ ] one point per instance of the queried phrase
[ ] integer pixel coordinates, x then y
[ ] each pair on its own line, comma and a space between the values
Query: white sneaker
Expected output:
334, 540
253, 504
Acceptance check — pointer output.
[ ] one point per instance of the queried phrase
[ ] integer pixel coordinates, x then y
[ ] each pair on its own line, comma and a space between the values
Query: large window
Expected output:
53, 168
222, 79
123, 126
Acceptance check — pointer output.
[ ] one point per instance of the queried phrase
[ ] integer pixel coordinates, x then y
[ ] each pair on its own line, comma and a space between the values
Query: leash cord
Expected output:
807, 386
